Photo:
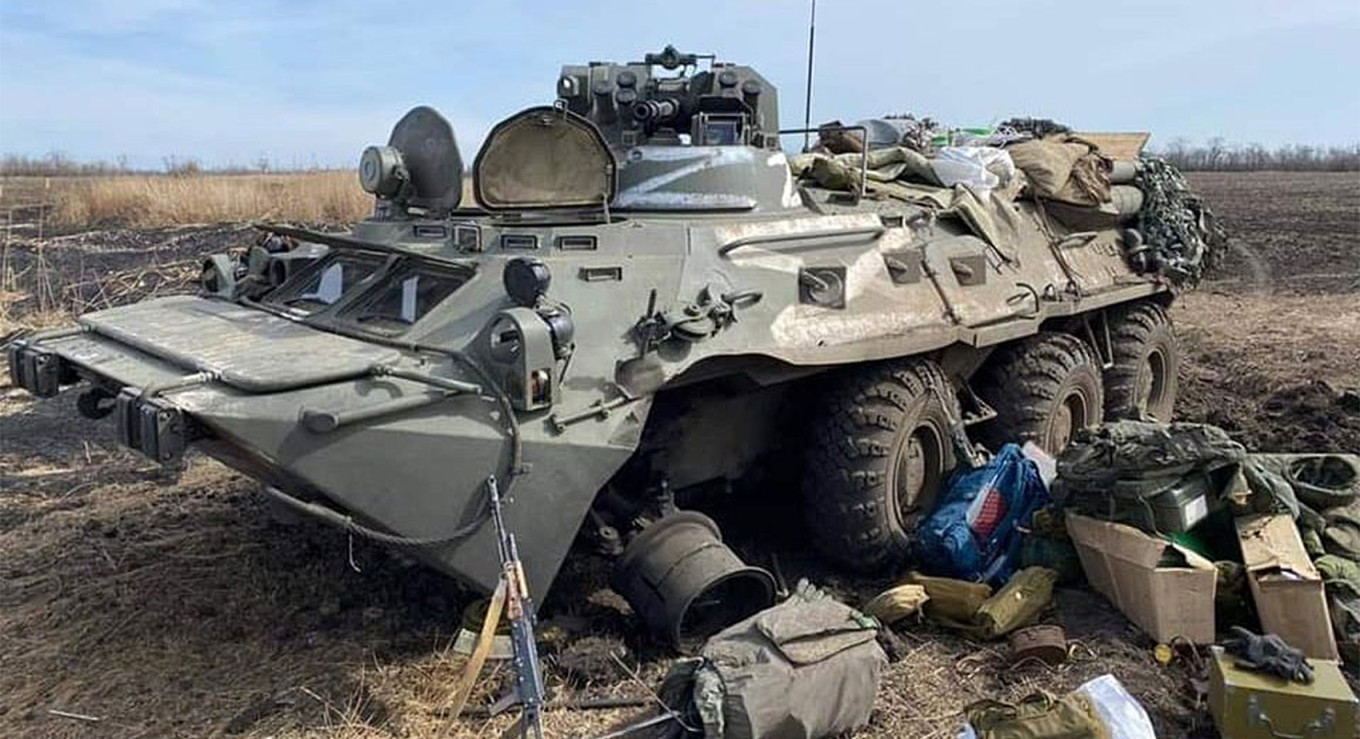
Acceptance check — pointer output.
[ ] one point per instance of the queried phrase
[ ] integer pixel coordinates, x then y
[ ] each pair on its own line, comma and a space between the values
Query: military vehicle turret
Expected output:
641, 295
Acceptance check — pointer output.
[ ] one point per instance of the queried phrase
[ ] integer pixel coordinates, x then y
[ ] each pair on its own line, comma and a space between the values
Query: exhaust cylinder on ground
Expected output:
685, 583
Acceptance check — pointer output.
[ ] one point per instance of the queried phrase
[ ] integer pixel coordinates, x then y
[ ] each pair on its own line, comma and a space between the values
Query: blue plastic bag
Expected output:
973, 534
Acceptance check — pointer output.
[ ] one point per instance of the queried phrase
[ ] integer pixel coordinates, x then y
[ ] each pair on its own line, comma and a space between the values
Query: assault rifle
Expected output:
519, 609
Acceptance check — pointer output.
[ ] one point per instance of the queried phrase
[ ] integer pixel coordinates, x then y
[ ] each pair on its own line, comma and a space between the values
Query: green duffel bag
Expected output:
1039, 715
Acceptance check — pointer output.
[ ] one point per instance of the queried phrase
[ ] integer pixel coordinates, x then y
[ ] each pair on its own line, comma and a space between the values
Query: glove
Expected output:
1269, 654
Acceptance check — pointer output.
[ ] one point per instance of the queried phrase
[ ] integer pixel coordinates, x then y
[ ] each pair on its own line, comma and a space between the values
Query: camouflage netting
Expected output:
1184, 238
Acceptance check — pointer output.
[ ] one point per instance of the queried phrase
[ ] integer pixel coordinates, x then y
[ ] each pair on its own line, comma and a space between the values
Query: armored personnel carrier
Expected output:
637, 294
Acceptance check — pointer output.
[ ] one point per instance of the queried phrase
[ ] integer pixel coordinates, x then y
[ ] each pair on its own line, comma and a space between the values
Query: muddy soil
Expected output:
159, 606
1272, 339
1295, 232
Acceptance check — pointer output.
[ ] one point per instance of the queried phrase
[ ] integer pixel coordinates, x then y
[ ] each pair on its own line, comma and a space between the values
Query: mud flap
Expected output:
152, 426
36, 370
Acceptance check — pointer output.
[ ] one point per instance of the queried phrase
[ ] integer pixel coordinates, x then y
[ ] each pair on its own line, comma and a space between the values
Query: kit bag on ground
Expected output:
1039, 715
808, 667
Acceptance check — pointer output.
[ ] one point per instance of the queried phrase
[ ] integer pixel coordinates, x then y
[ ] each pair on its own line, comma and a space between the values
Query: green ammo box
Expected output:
1178, 505
1248, 705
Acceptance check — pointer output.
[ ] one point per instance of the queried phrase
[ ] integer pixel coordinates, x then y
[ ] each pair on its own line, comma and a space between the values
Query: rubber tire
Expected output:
868, 414
1137, 334
1027, 381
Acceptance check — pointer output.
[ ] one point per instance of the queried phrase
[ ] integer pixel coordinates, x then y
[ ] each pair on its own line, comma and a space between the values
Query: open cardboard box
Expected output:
1122, 563
1288, 591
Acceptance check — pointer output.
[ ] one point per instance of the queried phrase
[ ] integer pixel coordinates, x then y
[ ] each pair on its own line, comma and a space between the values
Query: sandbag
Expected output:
973, 533
806, 668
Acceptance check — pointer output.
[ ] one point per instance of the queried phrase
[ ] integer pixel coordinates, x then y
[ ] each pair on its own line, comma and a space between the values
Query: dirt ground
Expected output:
159, 607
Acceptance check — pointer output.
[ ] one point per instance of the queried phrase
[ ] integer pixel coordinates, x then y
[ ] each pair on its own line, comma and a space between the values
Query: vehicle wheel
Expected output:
1143, 381
880, 451
1044, 389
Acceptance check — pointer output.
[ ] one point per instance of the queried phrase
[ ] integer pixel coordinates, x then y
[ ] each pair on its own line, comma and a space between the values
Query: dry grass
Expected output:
331, 196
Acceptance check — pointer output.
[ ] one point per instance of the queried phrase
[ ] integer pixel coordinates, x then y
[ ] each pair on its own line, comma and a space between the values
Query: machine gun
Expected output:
519, 609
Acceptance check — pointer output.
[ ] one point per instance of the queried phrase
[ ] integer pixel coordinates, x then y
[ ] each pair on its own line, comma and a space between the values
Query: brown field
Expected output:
179, 200
181, 608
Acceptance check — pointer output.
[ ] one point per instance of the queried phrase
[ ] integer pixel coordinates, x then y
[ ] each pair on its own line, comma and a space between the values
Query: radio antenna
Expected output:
807, 108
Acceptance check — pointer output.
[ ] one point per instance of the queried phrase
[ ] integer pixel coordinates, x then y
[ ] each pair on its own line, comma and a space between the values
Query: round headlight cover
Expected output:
526, 280
380, 170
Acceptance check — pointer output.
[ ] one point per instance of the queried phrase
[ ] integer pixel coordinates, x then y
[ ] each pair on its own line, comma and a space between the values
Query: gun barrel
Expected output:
504, 542
655, 110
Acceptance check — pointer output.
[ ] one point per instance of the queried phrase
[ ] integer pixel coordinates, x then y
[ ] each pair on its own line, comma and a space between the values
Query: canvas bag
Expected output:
1039, 715
1064, 168
806, 668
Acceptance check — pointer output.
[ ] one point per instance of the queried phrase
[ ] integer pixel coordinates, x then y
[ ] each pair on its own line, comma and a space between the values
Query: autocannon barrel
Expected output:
648, 111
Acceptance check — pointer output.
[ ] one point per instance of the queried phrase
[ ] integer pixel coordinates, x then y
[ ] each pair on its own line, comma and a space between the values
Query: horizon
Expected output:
309, 85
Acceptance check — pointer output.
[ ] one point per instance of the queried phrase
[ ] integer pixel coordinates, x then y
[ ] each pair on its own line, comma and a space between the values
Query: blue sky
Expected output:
313, 82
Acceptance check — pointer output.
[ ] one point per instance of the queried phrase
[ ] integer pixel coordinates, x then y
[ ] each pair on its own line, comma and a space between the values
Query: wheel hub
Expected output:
1070, 415
917, 472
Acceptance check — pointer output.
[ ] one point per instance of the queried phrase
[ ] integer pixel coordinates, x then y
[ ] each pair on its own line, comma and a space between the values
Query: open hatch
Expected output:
541, 158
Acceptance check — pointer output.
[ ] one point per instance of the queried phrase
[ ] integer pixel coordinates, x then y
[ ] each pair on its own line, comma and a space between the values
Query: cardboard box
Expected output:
1254, 705
1122, 563
1288, 591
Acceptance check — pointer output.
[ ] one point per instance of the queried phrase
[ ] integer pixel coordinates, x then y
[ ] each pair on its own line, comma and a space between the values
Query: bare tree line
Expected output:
1215, 155
1218, 155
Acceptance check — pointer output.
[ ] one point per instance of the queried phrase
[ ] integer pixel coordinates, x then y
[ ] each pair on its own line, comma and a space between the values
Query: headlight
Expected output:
526, 280
218, 276
382, 171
